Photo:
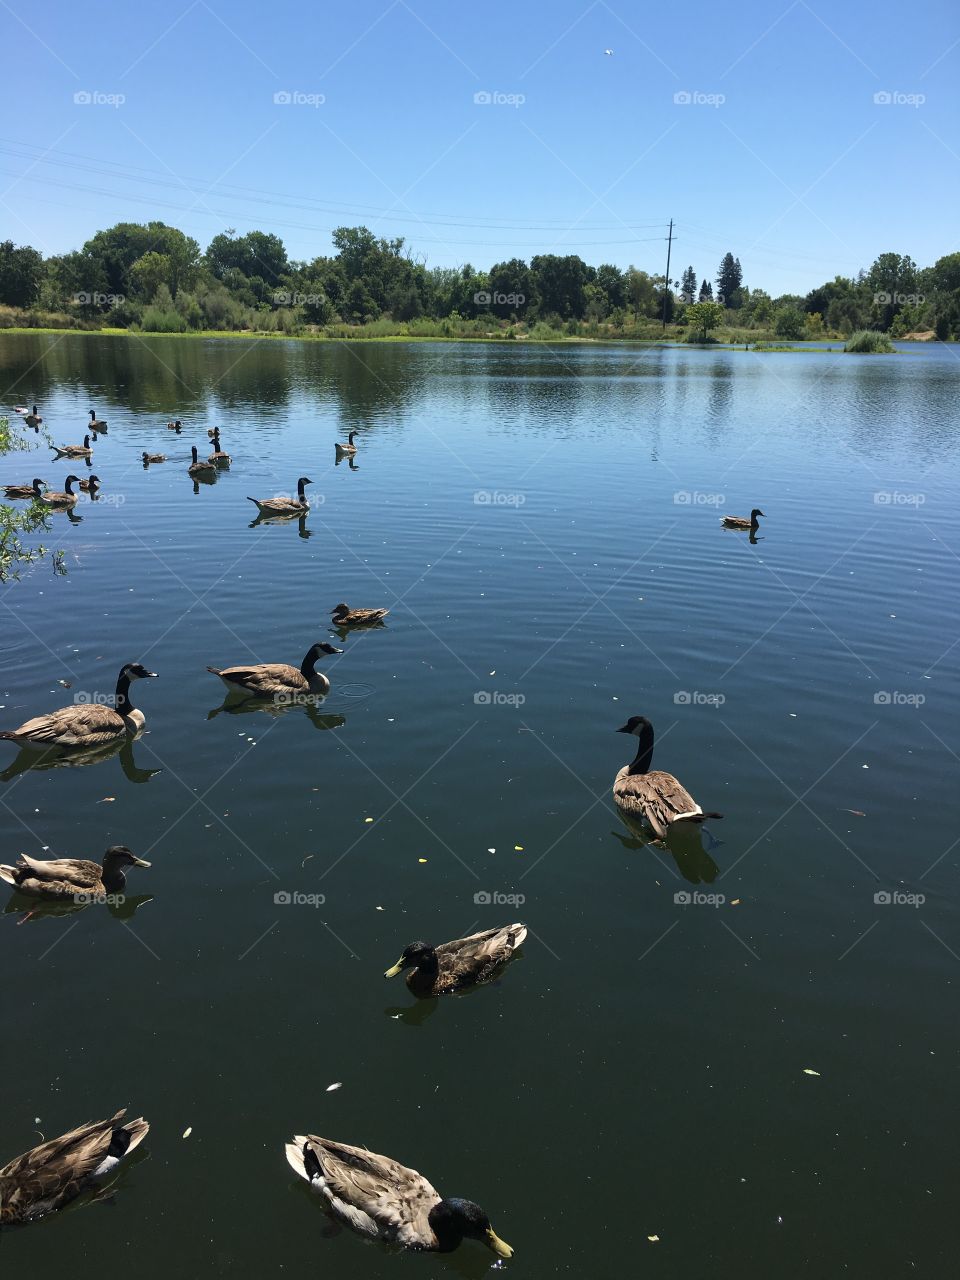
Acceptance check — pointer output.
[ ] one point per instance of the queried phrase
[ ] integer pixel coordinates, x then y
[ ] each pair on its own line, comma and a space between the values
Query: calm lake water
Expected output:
543, 523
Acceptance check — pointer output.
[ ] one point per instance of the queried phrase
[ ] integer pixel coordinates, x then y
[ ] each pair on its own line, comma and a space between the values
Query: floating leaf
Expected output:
809, 1071
337, 1084
187, 1132
857, 813
368, 819
653, 1239
735, 902
518, 848
421, 859
107, 800
306, 860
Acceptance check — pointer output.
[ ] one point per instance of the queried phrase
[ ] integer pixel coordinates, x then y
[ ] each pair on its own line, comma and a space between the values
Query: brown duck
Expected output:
71, 877
465, 962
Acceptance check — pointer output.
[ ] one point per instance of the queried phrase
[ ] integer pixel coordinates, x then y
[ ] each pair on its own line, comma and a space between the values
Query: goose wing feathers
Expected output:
657, 798
266, 678
87, 723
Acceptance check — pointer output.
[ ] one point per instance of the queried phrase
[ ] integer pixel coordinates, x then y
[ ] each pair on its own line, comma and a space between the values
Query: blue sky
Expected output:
781, 155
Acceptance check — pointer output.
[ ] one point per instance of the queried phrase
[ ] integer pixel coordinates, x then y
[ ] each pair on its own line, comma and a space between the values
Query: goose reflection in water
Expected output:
350, 461
301, 520
120, 906
688, 846
308, 703
67, 758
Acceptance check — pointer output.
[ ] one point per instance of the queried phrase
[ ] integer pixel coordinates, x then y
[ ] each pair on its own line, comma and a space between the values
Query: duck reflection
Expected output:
301, 520
71, 758
308, 703
688, 846
413, 1015
121, 907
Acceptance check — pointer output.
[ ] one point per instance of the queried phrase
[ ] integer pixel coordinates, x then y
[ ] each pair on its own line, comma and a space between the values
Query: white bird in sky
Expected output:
608, 52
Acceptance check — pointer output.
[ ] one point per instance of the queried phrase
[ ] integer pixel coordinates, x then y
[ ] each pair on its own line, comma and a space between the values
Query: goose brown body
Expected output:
74, 450
282, 506
379, 1197
278, 679
86, 724
61, 498
54, 1173
654, 799
464, 962
743, 522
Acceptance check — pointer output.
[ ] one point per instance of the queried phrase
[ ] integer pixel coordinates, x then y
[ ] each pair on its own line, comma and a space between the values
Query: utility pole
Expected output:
666, 278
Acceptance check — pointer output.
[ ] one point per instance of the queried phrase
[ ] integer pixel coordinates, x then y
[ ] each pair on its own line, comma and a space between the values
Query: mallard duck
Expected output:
34, 490
380, 1197
97, 424
349, 447
61, 499
465, 962
86, 724
153, 457
176, 426
218, 457
284, 506
344, 616
32, 419
69, 877
54, 1173
90, 485
73, 450
277, 680
657, 800
197, 467
741, 522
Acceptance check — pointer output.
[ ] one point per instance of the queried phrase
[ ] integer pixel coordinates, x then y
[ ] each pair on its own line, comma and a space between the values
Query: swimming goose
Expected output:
153, 457
73, 450
70, 877
176, 426
284, 506
32, 419
349, 447
465, 962
379, 1197
741, 522
86, 724
97, 424
218, 458
344, 616
657, 800
197, 467
24, 490
61, 499
276, 679
91, 485
48, 1177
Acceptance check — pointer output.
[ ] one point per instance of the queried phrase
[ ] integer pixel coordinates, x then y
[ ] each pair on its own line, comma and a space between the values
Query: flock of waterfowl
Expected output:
373, 1194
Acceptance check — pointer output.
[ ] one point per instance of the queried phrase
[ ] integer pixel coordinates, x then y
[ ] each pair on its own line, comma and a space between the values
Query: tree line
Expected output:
154, 278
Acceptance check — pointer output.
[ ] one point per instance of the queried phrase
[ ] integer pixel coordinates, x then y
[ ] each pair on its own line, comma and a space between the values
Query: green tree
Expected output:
701, 318
688, 285
513, 283
789, 322
641, 293
729, 280
21, 274
706, 292
148, 273
560, 284
255, 254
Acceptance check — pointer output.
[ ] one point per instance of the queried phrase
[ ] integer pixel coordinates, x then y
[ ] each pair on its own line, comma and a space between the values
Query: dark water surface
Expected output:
543, 523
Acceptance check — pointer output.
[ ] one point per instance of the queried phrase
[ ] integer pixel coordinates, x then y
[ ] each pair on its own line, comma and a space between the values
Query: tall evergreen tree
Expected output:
706, 292
688, 285
729, 279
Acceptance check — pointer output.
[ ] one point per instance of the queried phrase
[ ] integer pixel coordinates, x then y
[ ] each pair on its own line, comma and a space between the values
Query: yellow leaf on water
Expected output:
519, 848
421, 859
187, 1132
809, 1071
653, 1239
368, 819
735, 902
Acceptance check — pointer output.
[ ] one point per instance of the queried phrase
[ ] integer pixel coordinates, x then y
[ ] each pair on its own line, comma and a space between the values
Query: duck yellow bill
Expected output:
142, 862
394, 969
499, 1247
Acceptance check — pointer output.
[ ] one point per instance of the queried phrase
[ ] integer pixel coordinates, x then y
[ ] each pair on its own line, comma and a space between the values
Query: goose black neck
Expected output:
308, 665
122, 704
642, 761
300, 494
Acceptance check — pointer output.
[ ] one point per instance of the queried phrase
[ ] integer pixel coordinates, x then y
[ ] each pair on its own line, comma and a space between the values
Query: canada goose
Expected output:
197, 467
741, 522
62, 500
465, 962
32, 419
656, 799
54, 1173
70, 877
91, 485
379, 1197
153, 457
349, 447
284, 506
97, 424
176, 426
73, 450
344, 616
24, 490
218, 458
212, 431
277, 680
86, 724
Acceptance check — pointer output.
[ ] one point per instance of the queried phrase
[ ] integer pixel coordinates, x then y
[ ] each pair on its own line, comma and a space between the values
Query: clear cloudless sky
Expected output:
782, 155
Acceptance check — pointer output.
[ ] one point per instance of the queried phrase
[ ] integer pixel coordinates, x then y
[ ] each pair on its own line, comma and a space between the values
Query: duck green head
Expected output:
453, 1220
419, 955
